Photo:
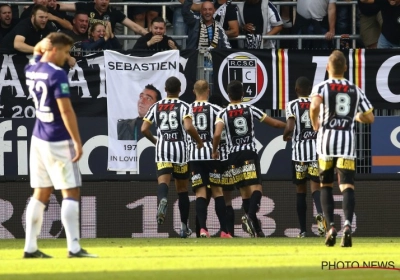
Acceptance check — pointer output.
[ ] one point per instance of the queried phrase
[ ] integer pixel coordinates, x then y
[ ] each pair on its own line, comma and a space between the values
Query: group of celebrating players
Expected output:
213, 146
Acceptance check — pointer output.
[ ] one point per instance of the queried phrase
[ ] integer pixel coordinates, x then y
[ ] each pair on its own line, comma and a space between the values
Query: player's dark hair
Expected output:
39, 7
235, 90
173, 85
303, 86
153, 88
59, 39
158, 19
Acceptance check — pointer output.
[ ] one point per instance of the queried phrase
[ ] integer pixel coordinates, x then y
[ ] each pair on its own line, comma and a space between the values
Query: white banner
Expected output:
126, 77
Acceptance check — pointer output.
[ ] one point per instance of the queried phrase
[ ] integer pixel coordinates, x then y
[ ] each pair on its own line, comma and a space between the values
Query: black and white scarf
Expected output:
220, 13
204, 41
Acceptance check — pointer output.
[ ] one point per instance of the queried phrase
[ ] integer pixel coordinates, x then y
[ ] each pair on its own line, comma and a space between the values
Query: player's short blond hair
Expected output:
337, 63
201, 87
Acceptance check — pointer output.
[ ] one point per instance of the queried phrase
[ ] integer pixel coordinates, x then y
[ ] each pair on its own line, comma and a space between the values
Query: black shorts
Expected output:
204, 173
301, 171
226, 176
245, 168
178, 170
346, 168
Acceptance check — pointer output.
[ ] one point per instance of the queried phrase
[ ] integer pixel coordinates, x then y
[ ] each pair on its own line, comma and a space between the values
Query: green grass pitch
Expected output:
203, 259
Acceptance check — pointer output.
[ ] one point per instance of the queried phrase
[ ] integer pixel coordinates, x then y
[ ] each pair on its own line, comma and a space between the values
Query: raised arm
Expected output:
63, 22
134, 26
20, 45
188, 16
68, 7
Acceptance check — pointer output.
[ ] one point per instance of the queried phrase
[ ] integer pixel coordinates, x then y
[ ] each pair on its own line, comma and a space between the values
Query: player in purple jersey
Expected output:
56, 145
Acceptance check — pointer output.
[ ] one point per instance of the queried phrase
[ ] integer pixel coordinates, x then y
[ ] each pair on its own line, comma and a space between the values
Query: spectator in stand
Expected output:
390, 35
370, 24
287, 17
7, 22
28, 32
204, 32
55, 17
316, 17
79, 32
226, 14
258, 18
156, 39
343, 18
101, 38
143, 15
52, 6
100, 11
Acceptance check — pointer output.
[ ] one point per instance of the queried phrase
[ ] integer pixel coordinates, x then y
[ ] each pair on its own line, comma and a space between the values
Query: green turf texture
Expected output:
203, 259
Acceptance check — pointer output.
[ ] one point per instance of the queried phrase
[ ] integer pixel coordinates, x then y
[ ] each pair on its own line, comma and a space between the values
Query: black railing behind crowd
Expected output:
353, 36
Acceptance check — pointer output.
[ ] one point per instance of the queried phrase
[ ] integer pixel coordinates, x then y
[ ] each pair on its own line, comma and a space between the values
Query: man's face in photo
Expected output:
147, 98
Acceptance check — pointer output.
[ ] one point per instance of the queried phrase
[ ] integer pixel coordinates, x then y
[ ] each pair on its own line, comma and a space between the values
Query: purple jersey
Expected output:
47, 82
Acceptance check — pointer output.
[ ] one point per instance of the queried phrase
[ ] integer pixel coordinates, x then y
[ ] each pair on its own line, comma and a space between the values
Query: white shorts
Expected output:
51, 165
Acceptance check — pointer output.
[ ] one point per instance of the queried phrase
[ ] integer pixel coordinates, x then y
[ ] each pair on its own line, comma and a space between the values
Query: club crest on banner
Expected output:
249, 70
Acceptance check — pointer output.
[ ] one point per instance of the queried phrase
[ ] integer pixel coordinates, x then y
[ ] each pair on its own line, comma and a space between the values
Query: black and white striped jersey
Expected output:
223, 148
239, 125
172, 143
304, 137
204, 117
341, 100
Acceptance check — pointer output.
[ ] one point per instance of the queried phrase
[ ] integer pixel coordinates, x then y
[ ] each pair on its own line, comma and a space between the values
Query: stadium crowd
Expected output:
207, 24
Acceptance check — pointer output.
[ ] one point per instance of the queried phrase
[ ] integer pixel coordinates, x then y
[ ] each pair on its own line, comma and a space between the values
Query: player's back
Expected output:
168, 115
239, 126
304, 137
204, 116
46, 82
341, 101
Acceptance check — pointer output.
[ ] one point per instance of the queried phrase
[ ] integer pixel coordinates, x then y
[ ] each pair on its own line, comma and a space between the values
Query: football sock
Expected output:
327, 204
184, 206
246, 204
220, 209
162, 191
201, 211
317, 201
230, 219
302, 211
34, 220
70, 220
349, 203
255, 201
